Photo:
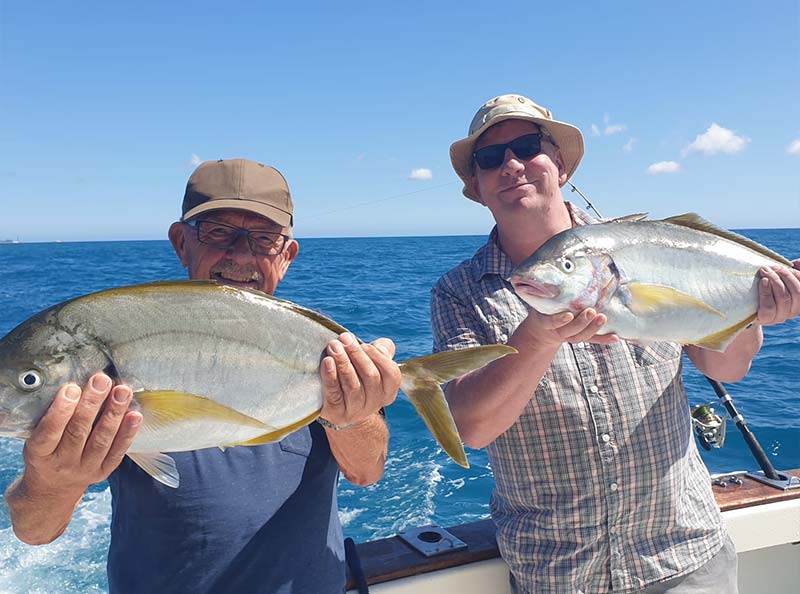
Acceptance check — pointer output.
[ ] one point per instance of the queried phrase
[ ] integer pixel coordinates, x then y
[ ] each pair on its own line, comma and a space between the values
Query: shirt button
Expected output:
605, 437
593, 389
613, 486
579, 345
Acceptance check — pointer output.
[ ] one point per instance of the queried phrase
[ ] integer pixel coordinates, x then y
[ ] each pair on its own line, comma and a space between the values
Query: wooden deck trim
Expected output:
388, 559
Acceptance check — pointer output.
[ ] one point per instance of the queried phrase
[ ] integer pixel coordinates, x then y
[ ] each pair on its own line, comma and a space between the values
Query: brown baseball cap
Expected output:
238, 184
566, 137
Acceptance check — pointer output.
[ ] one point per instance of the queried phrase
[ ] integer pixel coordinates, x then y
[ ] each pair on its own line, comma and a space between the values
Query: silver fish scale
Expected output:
235, 347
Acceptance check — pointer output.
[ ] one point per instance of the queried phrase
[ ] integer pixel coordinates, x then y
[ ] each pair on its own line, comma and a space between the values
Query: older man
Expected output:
599, 484
249, 519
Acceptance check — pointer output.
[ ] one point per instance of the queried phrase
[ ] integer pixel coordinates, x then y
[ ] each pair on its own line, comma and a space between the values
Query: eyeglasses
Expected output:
523, 147
222, 236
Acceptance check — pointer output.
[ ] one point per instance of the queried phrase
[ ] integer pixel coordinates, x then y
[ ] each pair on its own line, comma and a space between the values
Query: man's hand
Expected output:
778, 294
68, 450
357, 379
552, 330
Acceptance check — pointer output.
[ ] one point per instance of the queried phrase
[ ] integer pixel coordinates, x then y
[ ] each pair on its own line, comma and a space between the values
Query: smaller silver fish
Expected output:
681, 279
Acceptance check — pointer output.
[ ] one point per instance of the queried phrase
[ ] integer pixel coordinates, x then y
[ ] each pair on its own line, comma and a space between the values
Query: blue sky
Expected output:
105, 106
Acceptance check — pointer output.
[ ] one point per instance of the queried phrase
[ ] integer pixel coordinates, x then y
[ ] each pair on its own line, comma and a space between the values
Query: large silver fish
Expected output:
681, 279
210, 366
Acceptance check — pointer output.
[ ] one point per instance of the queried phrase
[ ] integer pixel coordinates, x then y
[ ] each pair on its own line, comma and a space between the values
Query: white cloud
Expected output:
421, 173
195, 160
663, 167
614, 129
717, 140
794, 147
628, 146
595, 130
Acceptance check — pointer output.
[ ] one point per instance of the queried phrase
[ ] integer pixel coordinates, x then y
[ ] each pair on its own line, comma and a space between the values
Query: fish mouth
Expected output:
526, 287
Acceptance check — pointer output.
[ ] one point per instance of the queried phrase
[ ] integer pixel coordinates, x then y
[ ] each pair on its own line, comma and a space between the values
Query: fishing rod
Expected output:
710, 428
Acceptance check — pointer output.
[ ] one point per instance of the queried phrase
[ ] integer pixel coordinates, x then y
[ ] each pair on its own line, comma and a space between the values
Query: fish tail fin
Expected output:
422, 379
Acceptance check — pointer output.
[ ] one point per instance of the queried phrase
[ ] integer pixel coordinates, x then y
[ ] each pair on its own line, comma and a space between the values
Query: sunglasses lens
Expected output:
490, 157
526, 146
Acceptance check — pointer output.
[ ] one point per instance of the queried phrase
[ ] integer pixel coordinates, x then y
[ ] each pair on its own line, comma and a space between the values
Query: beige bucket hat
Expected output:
514, 107
238, 184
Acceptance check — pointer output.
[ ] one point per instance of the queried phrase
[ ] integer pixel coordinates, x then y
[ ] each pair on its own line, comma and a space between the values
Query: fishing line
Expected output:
370, 202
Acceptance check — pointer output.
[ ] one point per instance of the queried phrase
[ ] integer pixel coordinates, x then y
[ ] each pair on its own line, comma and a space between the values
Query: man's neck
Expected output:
522, 234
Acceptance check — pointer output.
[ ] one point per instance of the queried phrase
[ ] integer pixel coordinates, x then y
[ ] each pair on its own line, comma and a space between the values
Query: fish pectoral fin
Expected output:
719, 341
160, 466
422, 377
647, 300
278, 434
161, 408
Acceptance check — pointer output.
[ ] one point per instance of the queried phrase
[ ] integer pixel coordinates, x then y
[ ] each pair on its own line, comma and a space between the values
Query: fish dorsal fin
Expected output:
161, 408
215, 286
695, 221
629, 218
160, 466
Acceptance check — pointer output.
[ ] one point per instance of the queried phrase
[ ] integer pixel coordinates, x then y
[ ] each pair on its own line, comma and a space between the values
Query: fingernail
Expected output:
121, 395
136, 421
346, 339
72, 393
329, 365
101, 382
335, 347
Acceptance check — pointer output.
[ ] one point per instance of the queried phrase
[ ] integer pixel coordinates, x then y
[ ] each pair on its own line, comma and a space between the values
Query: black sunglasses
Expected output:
523, 147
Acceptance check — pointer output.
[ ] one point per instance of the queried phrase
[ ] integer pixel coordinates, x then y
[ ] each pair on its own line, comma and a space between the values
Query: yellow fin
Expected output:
720, 340
422, 377
695, 221
160, 466
278, 434
165, 407
652, 299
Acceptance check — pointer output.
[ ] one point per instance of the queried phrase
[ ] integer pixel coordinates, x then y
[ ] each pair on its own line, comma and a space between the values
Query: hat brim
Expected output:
273, 213
568, 138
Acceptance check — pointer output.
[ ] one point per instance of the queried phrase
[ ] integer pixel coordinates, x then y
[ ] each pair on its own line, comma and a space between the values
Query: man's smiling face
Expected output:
236, 265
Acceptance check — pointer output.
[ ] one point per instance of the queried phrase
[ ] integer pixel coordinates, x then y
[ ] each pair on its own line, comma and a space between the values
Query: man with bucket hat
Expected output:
599, 487
258, 519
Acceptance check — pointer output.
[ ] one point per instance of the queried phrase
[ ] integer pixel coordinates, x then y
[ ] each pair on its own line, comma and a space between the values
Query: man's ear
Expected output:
177, 237
287, 256
562, 170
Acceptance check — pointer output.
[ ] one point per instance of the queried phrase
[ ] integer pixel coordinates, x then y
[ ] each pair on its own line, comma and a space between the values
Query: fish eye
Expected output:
30, 380
567, 265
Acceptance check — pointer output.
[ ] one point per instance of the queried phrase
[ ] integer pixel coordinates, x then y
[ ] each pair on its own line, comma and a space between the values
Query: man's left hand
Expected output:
358, 379
779, 294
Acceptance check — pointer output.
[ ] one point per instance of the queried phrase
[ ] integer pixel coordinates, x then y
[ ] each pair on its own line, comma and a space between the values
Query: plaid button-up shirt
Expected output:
599, 485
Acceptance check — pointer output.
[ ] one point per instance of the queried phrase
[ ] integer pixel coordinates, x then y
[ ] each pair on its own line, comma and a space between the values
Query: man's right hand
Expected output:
552, 330
68, 450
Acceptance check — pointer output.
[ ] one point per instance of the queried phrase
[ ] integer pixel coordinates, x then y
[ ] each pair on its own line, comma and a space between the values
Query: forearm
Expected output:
39, 516
486, 402
733, 364
361, 449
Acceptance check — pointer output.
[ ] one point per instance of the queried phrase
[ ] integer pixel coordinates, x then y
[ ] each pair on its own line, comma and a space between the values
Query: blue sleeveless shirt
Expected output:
248, 520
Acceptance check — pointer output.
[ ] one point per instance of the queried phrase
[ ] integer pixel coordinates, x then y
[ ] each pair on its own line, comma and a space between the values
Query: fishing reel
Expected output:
708, 426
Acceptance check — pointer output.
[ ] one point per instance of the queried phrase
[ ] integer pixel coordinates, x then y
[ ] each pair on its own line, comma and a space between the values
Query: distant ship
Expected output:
9, 240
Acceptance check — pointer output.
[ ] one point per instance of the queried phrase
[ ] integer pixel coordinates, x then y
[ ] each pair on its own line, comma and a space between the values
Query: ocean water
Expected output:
375, 287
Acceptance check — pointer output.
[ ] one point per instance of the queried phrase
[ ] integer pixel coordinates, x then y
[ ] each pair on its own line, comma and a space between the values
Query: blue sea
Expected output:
375, 287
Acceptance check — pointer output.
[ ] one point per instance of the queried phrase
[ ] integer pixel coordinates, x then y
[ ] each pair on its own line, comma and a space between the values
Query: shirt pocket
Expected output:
298, 442
656, 353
